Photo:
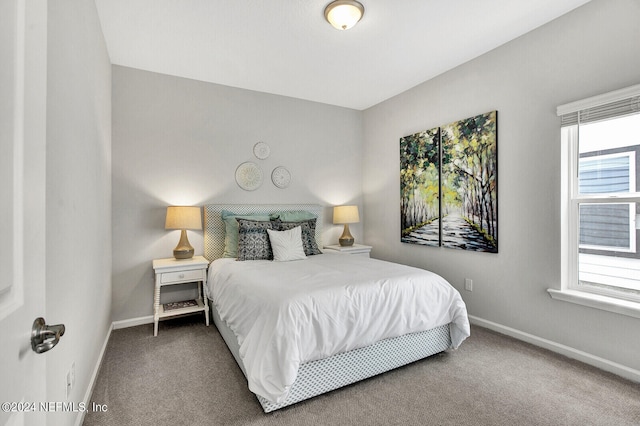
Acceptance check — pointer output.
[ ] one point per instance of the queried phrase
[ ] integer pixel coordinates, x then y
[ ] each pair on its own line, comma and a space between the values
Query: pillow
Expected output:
231, 230
253, 240
293, 216
287, 245
308, 233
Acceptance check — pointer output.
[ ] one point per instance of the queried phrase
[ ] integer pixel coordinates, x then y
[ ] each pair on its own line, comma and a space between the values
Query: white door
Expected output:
23, 51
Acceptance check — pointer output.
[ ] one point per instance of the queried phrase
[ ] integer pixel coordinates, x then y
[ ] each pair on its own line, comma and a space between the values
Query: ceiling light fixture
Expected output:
344, 14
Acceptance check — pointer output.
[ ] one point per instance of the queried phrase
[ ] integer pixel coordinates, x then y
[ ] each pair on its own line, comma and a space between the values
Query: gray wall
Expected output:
592, 50
78, 199
179, 141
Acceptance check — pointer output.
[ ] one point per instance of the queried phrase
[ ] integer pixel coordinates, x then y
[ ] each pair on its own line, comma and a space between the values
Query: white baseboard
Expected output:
132, 322
94, 377
587, 358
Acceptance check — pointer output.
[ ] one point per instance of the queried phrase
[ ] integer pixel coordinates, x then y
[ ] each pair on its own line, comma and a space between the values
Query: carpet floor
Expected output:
187, 376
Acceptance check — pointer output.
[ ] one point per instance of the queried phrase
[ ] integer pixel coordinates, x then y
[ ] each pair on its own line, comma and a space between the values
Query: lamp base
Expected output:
346, 239
183, 250
346, 242
183, 254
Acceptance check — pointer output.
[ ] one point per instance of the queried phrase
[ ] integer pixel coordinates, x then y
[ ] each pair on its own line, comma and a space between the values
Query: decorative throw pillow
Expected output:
293, 216
253, 240
287, 245
231, 230
308, 233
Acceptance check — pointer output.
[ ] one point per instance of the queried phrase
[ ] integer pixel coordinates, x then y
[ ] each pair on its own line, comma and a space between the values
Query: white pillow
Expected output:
287, 245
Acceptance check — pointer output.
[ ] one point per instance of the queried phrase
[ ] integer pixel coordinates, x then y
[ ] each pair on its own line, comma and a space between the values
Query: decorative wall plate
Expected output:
261, 150
249, 176
281, 177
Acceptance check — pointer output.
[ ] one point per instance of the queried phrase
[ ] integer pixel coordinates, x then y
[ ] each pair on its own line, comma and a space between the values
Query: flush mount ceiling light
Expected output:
343, 14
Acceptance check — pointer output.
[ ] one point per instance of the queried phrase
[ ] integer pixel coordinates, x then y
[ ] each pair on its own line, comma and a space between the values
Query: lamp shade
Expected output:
183, 217
343, 14
345, 214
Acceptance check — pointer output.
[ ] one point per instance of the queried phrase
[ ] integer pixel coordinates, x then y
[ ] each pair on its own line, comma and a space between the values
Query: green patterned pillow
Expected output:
231, 230
293, 216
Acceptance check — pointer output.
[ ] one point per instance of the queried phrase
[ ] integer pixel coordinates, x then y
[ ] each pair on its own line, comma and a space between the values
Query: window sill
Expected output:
622, 307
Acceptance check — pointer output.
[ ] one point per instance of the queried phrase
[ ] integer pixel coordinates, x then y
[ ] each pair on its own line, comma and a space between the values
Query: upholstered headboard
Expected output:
214, 229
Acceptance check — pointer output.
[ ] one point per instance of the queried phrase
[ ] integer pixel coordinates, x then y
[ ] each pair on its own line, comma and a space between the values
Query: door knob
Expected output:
44, 337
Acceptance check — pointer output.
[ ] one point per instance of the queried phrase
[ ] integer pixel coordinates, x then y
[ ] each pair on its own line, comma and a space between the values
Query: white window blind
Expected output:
613, 104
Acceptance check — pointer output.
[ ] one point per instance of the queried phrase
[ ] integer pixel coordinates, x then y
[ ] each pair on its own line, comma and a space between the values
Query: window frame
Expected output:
570, 290
570, 139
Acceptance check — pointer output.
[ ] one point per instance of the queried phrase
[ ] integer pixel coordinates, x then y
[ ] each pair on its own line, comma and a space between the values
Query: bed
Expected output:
302, 328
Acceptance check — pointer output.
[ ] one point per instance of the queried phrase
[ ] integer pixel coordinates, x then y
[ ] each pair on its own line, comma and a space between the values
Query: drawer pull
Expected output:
181, 275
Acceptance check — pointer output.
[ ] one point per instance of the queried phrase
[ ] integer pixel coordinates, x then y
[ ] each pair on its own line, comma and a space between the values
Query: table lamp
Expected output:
183, 218
346, 215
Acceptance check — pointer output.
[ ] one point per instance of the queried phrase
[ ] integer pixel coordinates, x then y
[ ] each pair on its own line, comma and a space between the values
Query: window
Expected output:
607, 226
600, 139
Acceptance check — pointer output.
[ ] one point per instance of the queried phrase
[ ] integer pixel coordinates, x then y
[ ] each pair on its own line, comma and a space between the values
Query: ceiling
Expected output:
286, 47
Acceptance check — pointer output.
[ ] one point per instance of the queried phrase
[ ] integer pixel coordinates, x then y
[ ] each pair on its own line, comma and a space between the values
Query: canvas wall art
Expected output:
449, 185
420, 187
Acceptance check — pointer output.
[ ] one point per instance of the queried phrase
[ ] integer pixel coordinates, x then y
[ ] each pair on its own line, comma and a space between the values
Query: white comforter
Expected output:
288, 313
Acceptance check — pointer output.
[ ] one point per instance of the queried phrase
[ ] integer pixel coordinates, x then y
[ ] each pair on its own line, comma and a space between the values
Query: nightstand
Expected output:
174, 271
357, 249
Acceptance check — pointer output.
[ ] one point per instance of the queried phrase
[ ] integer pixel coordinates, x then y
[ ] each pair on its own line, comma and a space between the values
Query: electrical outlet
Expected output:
71, 379
468, 284
68, 383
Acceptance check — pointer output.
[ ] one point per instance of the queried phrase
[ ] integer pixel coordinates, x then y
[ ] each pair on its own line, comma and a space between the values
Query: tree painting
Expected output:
449, 185
420, 187
469, 183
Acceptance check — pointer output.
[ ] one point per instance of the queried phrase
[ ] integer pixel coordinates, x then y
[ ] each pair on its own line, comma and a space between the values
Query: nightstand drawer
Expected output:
169, 277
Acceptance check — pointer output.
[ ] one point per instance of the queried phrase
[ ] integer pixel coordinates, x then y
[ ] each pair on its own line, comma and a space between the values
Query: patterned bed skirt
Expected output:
324, 375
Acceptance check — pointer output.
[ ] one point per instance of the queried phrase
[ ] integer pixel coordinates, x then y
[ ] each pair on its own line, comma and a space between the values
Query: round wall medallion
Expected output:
280, 177
249, 176
261, 150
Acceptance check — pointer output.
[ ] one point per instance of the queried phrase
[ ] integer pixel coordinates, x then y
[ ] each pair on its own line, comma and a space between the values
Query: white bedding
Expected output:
288, 313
